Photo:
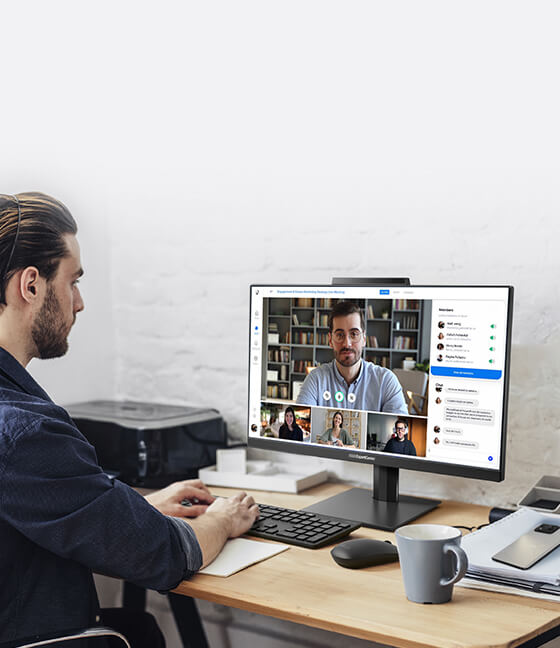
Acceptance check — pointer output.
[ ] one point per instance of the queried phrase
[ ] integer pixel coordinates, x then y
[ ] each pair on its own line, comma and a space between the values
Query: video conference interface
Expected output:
413, 371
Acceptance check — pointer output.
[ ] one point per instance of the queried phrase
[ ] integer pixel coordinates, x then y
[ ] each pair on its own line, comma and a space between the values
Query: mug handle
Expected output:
462, 564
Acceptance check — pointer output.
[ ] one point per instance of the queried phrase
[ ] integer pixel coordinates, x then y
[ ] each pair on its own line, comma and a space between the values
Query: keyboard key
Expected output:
286, 534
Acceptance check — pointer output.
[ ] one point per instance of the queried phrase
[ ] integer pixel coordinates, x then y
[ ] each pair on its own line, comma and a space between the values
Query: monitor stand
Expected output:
381, 509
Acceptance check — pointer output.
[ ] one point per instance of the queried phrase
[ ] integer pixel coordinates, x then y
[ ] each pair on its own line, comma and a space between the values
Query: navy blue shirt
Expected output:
405, 447
61, 517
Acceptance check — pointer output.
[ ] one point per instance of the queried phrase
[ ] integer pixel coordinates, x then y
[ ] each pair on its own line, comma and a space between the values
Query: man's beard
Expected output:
348, 360
49, 331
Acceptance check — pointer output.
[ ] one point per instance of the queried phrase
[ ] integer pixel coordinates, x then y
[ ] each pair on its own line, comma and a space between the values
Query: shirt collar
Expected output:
341, 378
17, 374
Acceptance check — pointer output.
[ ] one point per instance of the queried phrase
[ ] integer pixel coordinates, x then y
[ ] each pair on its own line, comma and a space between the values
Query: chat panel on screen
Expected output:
467, 375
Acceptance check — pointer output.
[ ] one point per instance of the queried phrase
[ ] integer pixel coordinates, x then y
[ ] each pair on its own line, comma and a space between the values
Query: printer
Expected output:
149, 444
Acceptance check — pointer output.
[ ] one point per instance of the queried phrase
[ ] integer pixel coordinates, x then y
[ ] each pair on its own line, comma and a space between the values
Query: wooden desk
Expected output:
306, 586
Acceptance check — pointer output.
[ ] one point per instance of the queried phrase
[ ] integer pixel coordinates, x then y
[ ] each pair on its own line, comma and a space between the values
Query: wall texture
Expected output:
205, 146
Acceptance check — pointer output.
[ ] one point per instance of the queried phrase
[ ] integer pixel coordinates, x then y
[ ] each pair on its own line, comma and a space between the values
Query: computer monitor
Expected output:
396, 376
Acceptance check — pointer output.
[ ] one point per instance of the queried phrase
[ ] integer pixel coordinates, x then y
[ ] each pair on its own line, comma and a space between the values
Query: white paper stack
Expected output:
481, 545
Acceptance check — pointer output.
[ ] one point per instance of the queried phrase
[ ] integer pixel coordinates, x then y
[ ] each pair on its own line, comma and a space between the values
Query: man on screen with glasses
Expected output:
348, 381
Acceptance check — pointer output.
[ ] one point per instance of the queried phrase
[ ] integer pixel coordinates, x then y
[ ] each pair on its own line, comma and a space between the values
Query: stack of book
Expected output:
542, 580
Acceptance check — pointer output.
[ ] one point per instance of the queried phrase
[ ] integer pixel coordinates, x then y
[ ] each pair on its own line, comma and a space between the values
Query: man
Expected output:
400, 444
348, 381
60, 516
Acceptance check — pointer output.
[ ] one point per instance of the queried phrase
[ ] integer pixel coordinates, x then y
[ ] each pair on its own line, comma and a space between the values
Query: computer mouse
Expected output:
364, 552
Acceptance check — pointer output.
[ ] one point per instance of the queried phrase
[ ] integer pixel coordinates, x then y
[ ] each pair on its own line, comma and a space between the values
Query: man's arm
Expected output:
214, 525
225, 518
53, 492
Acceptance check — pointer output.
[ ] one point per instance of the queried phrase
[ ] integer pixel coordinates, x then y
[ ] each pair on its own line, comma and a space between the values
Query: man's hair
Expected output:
344, 308
32, 227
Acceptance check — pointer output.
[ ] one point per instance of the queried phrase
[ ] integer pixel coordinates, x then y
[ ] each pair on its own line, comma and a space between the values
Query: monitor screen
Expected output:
412, 376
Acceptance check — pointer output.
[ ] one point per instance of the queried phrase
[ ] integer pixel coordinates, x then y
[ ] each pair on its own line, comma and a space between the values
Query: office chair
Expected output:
88, 633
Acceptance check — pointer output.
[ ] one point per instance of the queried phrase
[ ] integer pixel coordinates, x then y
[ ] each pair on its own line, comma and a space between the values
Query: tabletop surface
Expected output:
306, 586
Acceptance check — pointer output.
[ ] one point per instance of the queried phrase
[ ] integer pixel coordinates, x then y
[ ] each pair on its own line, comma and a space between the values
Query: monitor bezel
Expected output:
390, 460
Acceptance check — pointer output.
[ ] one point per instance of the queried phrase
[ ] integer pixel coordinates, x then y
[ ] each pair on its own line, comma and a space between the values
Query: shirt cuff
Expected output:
190, 545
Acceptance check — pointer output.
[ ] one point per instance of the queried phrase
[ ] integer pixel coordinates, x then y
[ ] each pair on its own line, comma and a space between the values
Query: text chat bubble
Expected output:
467, 402
457, 443
466, 415
454, 431
467, 391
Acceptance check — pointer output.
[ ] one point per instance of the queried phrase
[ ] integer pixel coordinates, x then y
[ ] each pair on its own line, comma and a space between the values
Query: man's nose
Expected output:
78, 302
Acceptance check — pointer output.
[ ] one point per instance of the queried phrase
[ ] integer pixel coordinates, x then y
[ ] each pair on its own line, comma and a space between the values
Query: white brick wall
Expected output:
203, 146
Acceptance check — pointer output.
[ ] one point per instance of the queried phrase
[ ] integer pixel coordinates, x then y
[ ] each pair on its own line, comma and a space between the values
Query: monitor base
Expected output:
358, 505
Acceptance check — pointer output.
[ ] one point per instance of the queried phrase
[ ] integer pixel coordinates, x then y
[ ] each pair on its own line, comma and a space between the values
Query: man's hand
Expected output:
168, 500
238, 511
225, 518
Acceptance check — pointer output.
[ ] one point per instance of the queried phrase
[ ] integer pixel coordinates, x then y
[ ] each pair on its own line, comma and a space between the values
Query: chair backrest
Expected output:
415, 385
88, 633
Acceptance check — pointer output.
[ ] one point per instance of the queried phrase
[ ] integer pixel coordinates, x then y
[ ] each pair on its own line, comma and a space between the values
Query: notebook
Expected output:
481, 545
239, 553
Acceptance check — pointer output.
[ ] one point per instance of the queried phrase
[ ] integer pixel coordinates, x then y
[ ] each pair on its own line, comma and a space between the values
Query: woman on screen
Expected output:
290, 430
337, 435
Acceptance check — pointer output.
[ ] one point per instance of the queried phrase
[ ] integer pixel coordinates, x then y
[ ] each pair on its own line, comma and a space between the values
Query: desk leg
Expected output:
133, 597
188, 621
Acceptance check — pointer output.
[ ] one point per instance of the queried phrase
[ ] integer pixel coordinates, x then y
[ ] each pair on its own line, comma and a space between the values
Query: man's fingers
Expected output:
191, 511
192, 493
248, 500
197, 483
254, 510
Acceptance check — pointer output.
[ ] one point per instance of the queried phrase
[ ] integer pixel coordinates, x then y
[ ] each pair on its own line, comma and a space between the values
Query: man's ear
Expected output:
30, 284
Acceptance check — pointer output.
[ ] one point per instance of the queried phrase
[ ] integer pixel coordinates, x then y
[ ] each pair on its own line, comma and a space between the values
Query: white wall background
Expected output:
205, 145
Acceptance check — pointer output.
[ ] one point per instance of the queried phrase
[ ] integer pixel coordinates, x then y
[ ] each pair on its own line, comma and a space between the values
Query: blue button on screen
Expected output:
463, 372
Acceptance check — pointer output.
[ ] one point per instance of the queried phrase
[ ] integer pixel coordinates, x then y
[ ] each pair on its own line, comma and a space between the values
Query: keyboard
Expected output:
301, 528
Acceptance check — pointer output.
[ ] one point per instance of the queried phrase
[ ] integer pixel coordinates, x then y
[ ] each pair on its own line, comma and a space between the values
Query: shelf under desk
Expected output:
306, 586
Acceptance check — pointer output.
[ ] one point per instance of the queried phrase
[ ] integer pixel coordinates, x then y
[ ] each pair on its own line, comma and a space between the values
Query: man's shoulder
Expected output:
381, 373
25, 414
